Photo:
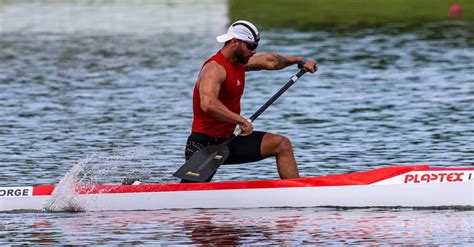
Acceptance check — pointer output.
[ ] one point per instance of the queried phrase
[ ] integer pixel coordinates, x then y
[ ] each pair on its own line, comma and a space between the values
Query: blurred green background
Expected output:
311, 14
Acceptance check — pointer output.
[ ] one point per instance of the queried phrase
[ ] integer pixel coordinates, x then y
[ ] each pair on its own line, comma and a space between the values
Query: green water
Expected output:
312, 14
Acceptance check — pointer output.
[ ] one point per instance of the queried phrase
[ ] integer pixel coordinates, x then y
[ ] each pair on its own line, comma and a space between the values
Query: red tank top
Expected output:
230, 93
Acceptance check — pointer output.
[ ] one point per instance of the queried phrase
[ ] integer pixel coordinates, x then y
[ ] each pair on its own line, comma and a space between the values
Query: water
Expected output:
248, 227
110, 84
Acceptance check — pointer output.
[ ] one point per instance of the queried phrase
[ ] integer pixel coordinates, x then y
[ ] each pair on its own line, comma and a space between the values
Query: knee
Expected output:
283, 144
275, 144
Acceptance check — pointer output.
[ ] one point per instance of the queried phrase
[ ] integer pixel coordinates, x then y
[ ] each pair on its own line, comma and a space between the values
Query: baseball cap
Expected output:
242, 30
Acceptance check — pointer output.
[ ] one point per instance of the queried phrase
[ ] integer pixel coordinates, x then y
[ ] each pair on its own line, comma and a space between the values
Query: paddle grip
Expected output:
238, 129
292, 80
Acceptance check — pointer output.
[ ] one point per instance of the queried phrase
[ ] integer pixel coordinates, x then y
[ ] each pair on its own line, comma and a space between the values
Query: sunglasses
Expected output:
251, 45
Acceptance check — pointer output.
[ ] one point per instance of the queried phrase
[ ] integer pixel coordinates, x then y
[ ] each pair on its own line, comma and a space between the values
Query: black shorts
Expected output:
243, 149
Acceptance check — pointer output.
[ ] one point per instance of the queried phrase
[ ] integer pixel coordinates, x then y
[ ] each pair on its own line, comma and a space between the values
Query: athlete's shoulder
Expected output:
213, 70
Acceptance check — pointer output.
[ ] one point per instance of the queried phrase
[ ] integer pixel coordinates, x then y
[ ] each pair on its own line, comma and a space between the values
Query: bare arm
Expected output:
271, 61
274, 61
209, 83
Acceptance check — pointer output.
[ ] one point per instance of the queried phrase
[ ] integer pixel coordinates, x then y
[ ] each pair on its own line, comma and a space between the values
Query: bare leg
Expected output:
280, 147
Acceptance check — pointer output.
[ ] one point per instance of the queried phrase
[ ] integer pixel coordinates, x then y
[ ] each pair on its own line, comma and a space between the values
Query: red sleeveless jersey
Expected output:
230, 93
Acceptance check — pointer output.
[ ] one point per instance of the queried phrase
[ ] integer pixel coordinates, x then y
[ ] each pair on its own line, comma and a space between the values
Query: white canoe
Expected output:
394, 186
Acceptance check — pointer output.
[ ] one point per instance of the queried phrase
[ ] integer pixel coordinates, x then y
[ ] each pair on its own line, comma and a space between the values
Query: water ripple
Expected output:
381, 97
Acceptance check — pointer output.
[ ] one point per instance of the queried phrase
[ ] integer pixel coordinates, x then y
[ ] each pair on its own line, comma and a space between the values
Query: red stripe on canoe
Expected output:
356, 178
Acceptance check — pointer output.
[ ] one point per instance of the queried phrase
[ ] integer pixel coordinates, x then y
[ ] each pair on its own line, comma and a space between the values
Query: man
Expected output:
216, 101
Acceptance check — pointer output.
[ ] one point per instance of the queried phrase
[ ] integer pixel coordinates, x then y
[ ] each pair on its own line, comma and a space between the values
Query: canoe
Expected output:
392, 186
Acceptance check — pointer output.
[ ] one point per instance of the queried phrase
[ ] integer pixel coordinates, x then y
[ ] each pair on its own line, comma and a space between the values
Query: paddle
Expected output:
204, 163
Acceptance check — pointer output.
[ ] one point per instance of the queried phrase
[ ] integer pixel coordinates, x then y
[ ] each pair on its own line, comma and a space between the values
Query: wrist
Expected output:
302, 62
241, 121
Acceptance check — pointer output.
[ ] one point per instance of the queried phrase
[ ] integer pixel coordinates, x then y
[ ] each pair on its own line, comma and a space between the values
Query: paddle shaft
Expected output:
283, 89
203, 164
292, 80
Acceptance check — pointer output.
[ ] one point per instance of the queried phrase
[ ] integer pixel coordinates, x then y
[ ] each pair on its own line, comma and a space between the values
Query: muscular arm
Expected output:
209, 83
271, 61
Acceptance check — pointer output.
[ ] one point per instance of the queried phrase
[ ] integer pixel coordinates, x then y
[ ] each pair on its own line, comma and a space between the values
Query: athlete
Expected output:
216, 101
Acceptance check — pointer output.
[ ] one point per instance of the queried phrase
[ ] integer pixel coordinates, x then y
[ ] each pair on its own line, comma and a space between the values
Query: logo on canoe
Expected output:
238, 83
194, 174
218, 157
440, 177
15, 192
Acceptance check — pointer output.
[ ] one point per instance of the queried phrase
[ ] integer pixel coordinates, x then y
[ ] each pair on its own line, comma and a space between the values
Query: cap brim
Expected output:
224, 38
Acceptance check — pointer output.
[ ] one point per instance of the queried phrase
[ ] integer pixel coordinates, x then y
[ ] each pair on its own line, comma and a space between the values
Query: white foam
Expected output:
99, 168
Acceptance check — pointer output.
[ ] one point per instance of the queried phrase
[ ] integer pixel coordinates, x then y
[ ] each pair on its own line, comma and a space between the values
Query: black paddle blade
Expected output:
203, 164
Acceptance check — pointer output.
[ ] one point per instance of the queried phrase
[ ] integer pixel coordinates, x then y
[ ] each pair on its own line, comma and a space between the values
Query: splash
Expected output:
115, 168
64, 197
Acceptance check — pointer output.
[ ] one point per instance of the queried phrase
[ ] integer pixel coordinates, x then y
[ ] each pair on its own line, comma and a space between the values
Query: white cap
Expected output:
242, 30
